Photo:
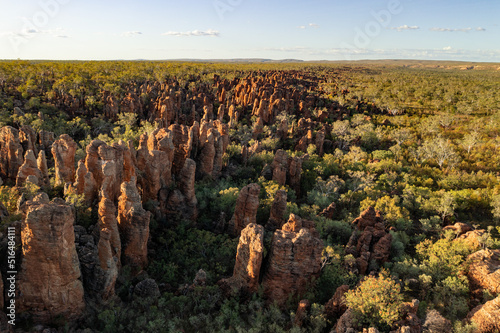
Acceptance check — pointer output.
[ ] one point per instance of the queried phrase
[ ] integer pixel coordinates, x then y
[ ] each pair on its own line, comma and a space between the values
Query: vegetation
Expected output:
420, 144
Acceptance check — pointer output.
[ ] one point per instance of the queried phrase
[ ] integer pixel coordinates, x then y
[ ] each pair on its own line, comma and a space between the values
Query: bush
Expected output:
376, 302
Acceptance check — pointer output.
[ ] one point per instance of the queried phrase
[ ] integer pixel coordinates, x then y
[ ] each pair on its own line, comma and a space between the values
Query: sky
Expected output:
271, 29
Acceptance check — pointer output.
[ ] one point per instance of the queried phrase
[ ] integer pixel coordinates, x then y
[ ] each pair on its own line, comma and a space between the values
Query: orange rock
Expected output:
29, 168
49, 280
301, 313
41, 163
336, 306
245, 211
11, 153
133, 223
248, 259
64, 150
484, 270
279, 167
329, 211
277, 210
486, 316
294, 262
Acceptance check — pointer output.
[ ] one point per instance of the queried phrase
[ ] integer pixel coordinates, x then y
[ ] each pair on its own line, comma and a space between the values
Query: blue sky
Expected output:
276, 29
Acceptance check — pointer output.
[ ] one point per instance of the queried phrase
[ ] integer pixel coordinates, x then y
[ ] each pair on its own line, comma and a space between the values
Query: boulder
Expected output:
486, 317
484, 270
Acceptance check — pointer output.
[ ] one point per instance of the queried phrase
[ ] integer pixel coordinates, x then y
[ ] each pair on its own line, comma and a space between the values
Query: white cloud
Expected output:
310, 25
30, 33
457, 30
447, 48
405, 27
209, 32
131, 33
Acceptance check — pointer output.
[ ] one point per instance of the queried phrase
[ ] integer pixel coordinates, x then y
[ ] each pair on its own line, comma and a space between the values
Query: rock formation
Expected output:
109, 246
11, 153
29, 168
277, 210
49, 280
486, 316
294, 261
329, 211
370, 242
245, 211
279, 167
301, 313
336, 306
484, 270
248, 259
64, 150
183, 199
133, 223
41, 163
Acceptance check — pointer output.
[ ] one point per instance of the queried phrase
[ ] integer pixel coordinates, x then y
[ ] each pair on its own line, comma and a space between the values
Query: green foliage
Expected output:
442, 258
376, 302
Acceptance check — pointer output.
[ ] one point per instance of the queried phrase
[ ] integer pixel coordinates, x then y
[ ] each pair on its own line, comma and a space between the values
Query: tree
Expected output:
470, 140
440, 150
376, 302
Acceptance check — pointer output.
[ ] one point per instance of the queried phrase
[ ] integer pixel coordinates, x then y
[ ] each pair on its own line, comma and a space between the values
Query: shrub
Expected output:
376, 302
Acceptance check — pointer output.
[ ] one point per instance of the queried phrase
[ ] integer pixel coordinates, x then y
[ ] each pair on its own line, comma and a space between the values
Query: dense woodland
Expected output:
416, 142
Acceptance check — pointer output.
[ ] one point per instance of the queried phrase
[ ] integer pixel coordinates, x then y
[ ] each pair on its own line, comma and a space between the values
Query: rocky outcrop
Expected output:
41, 163
277, 210
133, 223
301, 313
294, 173
248, 259
11, 153
484, 270
109, 247
458, 228
279, 167
474, 239
486, 316
27, 138
336, 306
64, 150
329, 211
183, 199
3, 212
29, 168
410, 323
49, 280
245, 211
294, 261
345, 324
370, 242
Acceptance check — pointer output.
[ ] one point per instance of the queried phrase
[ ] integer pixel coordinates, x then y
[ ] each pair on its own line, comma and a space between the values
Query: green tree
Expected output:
376, 302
